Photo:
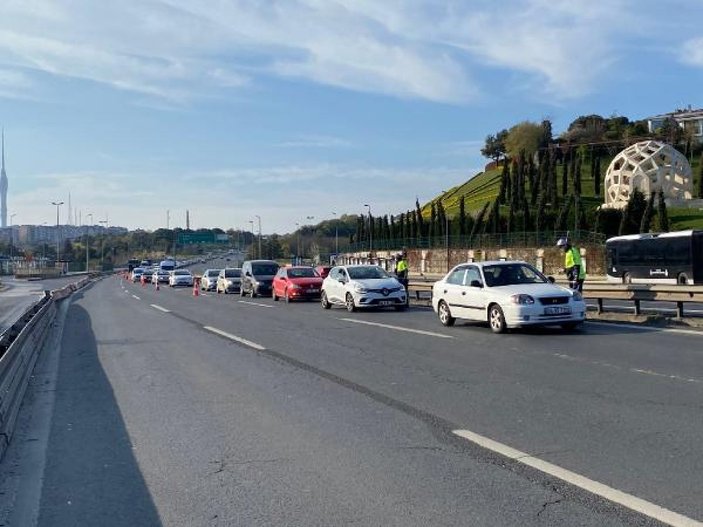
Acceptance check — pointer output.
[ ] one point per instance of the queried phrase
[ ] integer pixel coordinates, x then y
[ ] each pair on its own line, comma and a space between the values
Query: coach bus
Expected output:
667, 258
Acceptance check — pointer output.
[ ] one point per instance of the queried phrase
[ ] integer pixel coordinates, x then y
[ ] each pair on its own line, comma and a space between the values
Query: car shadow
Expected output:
91, 476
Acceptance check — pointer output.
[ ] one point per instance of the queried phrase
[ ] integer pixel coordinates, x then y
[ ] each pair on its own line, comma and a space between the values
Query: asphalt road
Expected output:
17, 295
313, 417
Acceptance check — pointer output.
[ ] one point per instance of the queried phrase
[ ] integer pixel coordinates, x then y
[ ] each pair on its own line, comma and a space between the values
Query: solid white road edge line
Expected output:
254, 303
609, 493
647, 328
136, 297
235, 338
398, 328
163, 309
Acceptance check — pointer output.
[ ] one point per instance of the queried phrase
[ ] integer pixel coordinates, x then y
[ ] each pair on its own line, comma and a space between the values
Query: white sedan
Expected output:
180, 277
357, 286
506, 295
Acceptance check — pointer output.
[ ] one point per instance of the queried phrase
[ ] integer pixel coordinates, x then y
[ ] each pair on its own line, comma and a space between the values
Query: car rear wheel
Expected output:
445, 316
350, 303
627, 278
496, 319
324, 302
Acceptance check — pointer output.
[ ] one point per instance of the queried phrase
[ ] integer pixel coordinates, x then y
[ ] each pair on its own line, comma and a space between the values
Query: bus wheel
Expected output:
626, 278
682, 279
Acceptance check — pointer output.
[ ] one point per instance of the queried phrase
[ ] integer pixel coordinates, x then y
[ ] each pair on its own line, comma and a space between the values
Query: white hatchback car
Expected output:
506, 295
356, 286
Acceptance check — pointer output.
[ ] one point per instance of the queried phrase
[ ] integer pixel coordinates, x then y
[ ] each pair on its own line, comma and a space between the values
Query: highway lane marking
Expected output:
398, 328
135, 296
647, 328
666, 375
254, 303
634, 503
235, 338
163, 309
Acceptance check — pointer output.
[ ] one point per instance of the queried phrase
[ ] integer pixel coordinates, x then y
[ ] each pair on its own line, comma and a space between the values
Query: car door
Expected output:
474, 296
336, 286
453, 292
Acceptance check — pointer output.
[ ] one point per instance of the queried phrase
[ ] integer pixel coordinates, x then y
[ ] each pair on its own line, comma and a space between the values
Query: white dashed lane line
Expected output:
254, 304
398, 328
235, 338
594, 487
136, 297
162, 309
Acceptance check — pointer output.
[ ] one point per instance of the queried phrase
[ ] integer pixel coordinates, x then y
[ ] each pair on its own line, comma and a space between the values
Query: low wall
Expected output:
549, 260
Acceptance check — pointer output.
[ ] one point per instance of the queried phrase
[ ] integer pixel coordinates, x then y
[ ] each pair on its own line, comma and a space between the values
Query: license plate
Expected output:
385, 302
557, 310
313, 290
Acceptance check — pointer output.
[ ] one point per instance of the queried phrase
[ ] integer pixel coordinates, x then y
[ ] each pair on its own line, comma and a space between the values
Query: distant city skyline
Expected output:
233, 110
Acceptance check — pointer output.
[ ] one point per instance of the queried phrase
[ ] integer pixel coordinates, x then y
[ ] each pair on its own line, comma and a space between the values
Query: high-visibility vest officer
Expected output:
573, 265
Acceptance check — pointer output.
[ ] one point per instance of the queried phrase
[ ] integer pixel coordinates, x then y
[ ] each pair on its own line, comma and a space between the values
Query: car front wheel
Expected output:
445, 316
274, 295
496, 319
324, 302
350, 303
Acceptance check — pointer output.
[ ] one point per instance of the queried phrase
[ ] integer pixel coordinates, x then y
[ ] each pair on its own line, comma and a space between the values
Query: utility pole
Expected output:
58, 236
87, 234
259, 218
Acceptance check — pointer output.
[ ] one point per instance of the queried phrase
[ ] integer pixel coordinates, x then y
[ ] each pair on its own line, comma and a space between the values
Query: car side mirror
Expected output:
551, 279
342, 280
475, 283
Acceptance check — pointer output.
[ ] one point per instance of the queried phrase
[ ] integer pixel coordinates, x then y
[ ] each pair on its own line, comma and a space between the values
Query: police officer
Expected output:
401, 271
573, 266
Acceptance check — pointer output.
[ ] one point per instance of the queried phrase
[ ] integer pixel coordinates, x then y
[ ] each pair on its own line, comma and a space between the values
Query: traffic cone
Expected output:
196, 290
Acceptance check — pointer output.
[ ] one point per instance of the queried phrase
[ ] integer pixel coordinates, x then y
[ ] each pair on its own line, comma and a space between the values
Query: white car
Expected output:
180, 277
229, 280
357, 286
209, 279
506, 295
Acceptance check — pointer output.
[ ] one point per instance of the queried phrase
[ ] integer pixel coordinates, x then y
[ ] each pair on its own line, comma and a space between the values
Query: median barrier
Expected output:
20, 346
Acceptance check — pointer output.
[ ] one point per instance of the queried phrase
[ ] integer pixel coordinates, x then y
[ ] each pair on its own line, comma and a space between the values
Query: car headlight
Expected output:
359, 288
294, 286
522, 299
577, 296
228, 282
255, 283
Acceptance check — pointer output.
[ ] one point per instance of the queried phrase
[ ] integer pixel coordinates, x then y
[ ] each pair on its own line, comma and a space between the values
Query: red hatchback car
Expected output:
296, 283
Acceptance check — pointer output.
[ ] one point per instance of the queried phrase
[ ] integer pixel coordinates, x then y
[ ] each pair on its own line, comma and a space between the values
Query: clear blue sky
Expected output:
289, 109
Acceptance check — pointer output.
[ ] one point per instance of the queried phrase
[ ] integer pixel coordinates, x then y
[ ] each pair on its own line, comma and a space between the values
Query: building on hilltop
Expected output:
687, 119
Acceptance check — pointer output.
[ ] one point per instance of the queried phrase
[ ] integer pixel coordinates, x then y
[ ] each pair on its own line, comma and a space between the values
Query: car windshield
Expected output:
233, 273
212, 272
365, 272
302, 272
181, 273
512, 274
264, 269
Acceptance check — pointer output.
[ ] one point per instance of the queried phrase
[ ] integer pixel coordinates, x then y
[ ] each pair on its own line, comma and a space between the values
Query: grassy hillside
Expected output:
484, 187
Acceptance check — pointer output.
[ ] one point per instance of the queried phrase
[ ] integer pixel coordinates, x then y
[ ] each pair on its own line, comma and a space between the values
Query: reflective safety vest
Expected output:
572, 257
401, 266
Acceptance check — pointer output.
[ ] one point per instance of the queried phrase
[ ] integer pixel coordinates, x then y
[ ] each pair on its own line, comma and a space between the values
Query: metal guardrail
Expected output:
20, 345
636, 293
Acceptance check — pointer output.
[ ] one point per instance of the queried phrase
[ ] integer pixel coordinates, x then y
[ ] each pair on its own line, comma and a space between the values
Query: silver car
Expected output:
180, 277
208, 281
229, 280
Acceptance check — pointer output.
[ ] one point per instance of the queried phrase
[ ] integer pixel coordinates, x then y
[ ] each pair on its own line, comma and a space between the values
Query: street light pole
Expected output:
336, 236
297, 250
58, 237
86, 241
252, 240
259, 218
370, 230
102, 243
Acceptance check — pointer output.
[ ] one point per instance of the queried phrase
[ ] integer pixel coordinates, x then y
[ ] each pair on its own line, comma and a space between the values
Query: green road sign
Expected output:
186, 238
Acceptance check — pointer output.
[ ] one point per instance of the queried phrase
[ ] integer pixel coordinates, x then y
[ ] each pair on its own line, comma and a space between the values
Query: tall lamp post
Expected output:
102, 243
251, 222
370, 230
297, 251
86, 240
259, 218
446, 233
336, 235
58, 236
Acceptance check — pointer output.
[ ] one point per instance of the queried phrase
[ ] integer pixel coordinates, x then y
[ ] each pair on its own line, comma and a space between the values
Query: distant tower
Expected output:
3, 186
187, 220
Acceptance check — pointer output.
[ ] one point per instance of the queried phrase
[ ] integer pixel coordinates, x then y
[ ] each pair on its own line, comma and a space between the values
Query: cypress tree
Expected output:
526, 220
515, 185
413, 226
504, 176
478, 223
597, 178
700, 176
539, 181
646, 222
509, 183
421, 230
553, 199
577, 174
539, 215
662, 214
564, 176
403, 227
511, 220
462, 216
563, 215
431, 233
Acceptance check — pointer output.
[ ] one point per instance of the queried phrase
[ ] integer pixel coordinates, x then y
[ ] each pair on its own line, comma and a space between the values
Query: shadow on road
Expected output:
91, 475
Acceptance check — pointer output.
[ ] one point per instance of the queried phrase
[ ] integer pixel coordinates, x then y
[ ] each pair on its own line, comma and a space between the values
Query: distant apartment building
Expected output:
688, 119
33, 234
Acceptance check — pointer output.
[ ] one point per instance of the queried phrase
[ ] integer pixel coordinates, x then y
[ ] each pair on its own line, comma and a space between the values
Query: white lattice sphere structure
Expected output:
648, 166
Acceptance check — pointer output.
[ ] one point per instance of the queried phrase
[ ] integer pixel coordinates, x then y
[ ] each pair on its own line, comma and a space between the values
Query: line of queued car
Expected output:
505, 294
